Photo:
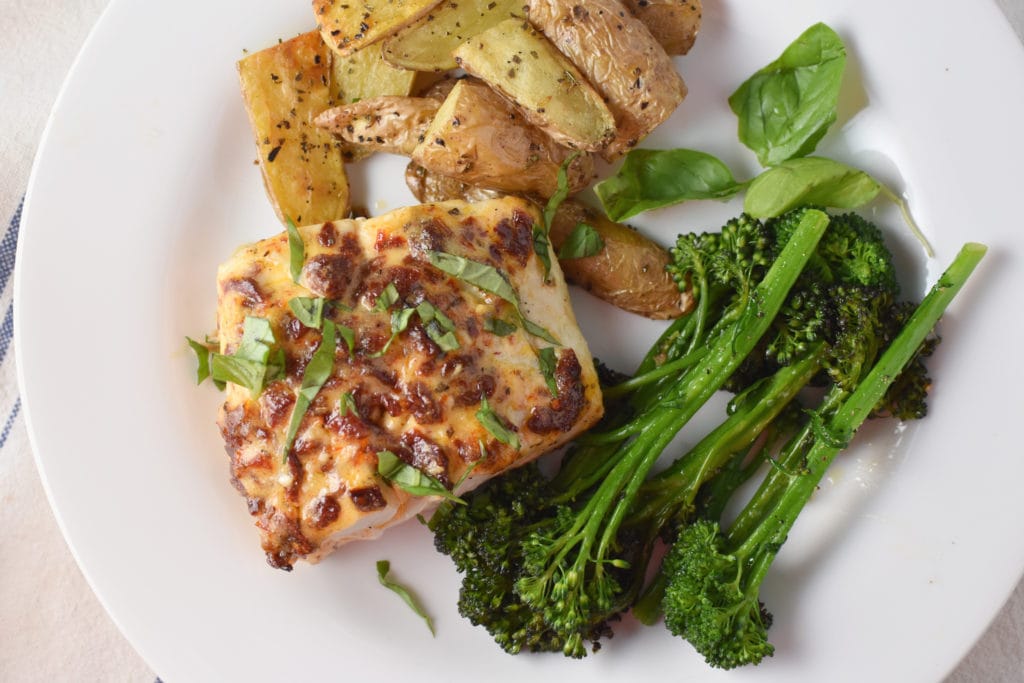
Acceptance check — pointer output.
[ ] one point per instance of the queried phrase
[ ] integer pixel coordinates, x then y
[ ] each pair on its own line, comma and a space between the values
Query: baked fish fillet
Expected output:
430, 399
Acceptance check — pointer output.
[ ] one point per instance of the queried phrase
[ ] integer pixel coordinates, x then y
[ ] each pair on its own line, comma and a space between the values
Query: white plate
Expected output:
145, 181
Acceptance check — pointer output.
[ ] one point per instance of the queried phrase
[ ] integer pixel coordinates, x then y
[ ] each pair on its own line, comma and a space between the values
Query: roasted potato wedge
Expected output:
349, 25
620, 58
479, 138
427, 43
285, 87
521, 64
365, 74
673, 23
429, 188
629, 272
381, 124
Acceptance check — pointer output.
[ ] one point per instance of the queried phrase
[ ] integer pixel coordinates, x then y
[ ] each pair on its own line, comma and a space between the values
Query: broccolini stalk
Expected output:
566, 574
713, 578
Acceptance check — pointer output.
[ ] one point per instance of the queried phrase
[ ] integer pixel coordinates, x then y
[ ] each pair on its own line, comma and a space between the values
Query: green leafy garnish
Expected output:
493, 424
399, 322
561, 191
383, 569
439, 327
410, 479
386, 299
256, 362
348, 335
541, 248
317, 371
538, 331
498, 327
296, 251
809, 181
582, 242
308, 311
203, 353
347, 404
651, 179
547, 361
481, 275
785, 108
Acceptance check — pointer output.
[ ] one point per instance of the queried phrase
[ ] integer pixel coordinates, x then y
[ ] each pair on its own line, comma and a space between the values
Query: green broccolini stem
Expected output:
663, 370
847, 418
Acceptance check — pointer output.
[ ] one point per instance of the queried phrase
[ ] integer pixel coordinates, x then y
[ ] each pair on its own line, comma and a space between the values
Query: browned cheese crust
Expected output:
414, 399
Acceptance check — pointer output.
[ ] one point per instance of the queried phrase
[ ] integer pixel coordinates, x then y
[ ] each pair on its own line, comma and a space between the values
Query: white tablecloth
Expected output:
52, 628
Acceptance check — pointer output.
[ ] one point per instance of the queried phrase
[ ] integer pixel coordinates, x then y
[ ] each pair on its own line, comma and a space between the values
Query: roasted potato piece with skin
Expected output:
479, 138
427, 44
673, 23
382, 124
619, 56
285, 87
348, 25
520, 63
629, 272
429, 188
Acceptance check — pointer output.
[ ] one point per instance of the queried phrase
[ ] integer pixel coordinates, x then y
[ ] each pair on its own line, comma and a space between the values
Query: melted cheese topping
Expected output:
413, 399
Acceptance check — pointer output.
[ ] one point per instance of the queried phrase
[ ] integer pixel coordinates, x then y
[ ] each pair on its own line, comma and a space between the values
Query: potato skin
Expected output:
619, 56
673, 23
479, 138
381, 124
285, 87
628, 273
430, 188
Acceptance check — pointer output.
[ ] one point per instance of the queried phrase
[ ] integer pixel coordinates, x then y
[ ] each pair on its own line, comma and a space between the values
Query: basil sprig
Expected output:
406, 477
493, 424
383, 569
318, 371
583, 241
812, 181
785, 108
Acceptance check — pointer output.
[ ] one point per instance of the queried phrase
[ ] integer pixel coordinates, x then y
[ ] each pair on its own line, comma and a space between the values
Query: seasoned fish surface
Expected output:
425, 404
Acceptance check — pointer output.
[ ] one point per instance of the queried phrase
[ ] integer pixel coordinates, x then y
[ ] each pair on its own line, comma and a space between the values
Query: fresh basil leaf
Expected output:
428, 312
308, 311
651, 179
399, 322
813, 181
348, 335
256, 362
541, 248
493, 424
582, 242
547, 361
347, 404
538, 331
785, 108
383, 569
478, 274
561, 191
202, 352
386, 299
339, 306
498, 327
409, 479
296, 251
445, 340
318, 371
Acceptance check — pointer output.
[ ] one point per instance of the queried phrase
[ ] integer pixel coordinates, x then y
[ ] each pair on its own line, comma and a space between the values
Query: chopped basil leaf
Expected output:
388, 296
538, 331
540, 247
399, 321
347, 404
493, 424
429, 312
583, 241
202, 352
383, 568
348, 335
410, 479
498, 326
561, 192
446, 341
479, 275
256, 362
317, 371
296, 250
308, 311
547, 361
338, 306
